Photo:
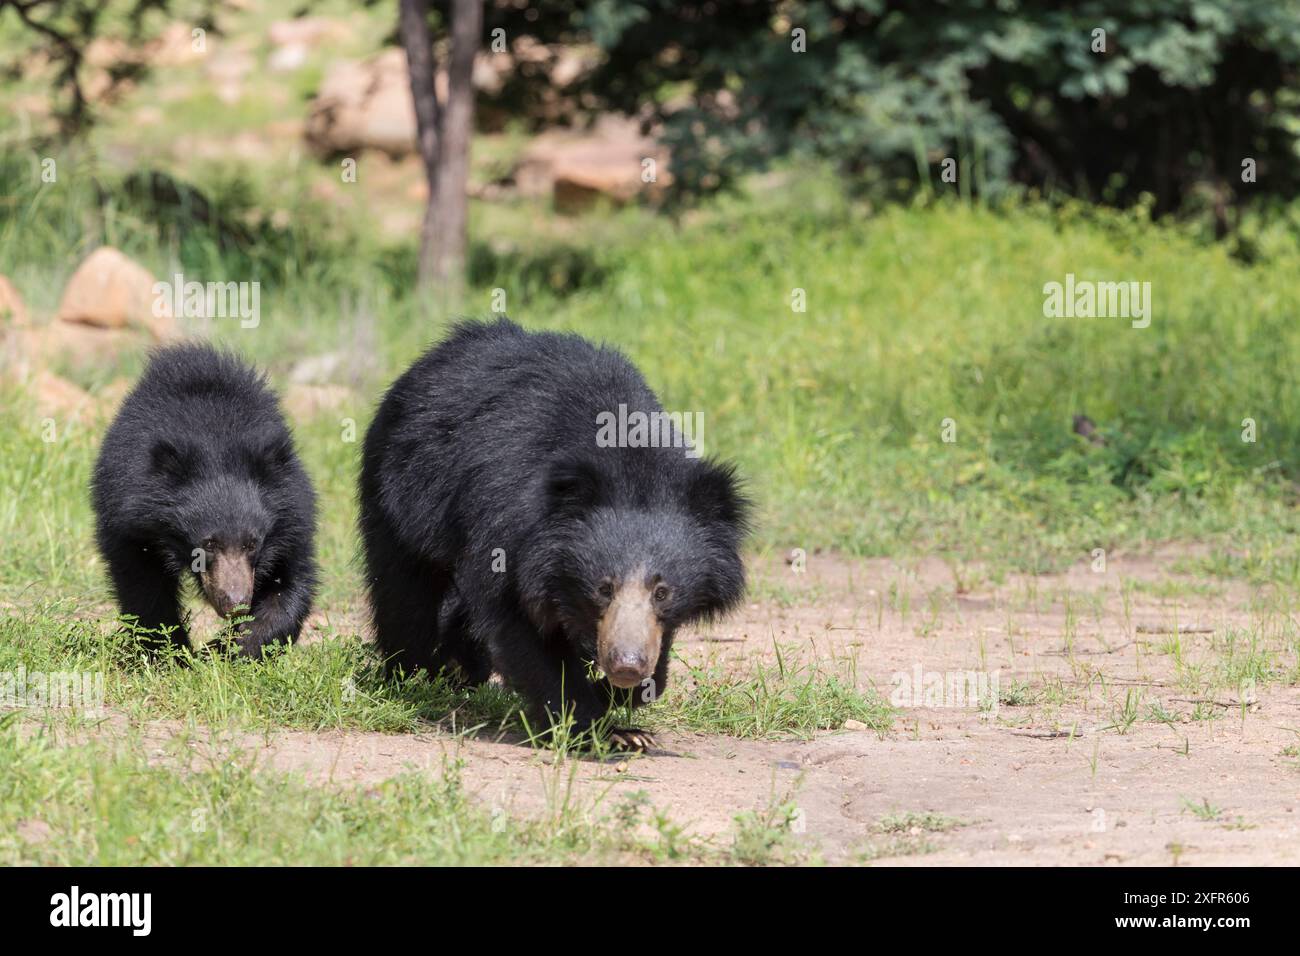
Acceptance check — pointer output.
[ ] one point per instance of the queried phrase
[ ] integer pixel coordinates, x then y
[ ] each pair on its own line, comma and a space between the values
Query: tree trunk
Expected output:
452, 237
443, 136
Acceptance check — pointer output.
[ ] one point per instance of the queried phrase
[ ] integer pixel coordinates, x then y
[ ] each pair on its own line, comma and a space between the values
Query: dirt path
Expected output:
1072, 767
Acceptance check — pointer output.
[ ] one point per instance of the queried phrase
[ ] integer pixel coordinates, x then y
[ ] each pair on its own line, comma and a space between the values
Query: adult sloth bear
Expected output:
500, 536
198, 477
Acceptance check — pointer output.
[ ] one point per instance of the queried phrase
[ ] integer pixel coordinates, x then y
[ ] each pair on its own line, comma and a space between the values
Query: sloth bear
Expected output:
198, 477
501, 535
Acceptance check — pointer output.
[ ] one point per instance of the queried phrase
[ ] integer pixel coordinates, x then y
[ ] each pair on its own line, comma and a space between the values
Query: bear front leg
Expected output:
550, 681
278, 611
553, 680
406, 595
147, 592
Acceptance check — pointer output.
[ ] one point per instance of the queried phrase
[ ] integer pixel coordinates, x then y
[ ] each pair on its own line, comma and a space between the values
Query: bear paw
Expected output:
631, 739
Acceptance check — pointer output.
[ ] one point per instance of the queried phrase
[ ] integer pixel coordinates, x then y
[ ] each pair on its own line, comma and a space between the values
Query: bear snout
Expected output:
228, 583
628, 670
231, 600
629, 636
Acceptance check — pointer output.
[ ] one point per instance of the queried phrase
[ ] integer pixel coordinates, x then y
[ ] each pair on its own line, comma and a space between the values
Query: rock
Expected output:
306, 32
72, 345
12, 310
365, 105
174, 46
317, 369
571, 63
177, 46
286, 59
14, 363
56, 397
368, 105
111, 291
112, 63
108, 52
583, 181
306, 402
578, 169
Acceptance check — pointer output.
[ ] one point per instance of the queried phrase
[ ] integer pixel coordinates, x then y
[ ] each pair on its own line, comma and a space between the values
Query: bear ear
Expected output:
713, 496
171, 462
574, 486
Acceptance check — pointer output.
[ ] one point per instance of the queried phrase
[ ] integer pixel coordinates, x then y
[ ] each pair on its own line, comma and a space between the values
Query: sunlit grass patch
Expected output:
335, 683
797, 696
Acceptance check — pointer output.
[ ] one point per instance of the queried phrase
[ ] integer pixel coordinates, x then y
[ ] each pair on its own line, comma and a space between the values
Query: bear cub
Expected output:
500, 534
198, 478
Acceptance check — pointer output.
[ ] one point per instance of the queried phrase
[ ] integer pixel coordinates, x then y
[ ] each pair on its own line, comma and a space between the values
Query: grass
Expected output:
833, 414
1203, 811
334, 684
907, 834
337, 684
767, 835
114, 806
793, 697
909, 822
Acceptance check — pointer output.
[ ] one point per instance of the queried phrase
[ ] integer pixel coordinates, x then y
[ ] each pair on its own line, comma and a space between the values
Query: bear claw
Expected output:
631, 739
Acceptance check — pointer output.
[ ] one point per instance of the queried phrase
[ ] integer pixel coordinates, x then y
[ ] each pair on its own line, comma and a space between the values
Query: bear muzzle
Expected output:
228, 582
629, 636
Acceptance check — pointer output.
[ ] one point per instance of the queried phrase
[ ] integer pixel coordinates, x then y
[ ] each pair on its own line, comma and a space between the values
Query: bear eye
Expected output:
606, 589
661, 593
210, 544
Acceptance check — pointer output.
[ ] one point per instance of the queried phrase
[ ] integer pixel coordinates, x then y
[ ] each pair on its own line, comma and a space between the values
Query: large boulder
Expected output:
580, 168
364, 105
368, 105
111, 291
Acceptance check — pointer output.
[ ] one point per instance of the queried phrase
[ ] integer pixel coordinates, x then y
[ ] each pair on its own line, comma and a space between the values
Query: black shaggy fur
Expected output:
489, 442
199, 459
